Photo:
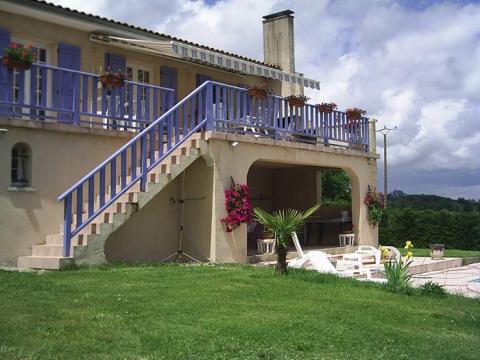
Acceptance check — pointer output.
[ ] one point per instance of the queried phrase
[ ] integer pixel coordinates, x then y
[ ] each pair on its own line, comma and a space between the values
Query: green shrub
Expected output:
432, 289
457, 230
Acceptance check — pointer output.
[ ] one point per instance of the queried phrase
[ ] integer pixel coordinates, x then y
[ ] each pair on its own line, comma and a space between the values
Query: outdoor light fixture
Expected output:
3, 132
234, 143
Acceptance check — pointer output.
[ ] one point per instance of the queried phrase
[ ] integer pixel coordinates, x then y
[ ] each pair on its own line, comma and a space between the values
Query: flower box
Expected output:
257, 93
12, 63
112, 81
354, 114
297, 100
326, 108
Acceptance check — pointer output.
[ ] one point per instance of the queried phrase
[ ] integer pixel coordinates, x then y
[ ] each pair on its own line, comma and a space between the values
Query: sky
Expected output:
413, 64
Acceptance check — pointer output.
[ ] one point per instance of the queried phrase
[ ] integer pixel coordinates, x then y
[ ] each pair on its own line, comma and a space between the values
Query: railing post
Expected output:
325, 123
143, 162
67, 225
76, 100
209, 107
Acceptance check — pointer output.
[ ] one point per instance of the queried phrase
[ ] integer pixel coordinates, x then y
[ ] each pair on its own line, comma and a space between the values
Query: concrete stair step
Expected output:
44, 262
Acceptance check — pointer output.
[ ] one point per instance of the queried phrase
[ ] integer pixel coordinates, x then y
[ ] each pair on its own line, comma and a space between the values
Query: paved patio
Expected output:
464, 280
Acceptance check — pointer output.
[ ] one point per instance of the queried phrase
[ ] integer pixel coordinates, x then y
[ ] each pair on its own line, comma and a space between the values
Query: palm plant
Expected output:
282, 223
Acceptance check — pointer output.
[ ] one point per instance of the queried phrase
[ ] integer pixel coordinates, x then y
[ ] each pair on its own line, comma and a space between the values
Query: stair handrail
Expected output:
66, 196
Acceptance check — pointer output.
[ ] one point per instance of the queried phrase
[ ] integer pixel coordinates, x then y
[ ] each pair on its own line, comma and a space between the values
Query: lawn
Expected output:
448, 253
225, 312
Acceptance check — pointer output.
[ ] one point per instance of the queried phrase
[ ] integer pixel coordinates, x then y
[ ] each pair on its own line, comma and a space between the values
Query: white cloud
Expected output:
415, 69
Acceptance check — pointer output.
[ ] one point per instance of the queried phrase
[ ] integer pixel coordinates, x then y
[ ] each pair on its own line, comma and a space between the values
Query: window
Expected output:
21, 165
39, 93
140, 75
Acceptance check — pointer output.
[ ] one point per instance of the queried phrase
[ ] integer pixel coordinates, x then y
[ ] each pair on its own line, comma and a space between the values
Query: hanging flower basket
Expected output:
15, 64
112, 81
17, 57
259, 91
297, 100
112, 78
326, 108
355, 114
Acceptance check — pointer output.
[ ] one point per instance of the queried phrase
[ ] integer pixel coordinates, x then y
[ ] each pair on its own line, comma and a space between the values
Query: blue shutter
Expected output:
202, 78
115, 62
6, 76
63, 82
169, 78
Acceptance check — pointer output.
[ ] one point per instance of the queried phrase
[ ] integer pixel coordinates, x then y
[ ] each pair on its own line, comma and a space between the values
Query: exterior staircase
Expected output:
87, 247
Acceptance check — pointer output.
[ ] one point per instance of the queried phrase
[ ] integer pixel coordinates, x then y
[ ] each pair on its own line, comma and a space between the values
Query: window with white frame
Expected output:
138, 74
40, 93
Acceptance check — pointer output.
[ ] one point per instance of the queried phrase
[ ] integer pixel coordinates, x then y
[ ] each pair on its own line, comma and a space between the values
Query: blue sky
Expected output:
410, 64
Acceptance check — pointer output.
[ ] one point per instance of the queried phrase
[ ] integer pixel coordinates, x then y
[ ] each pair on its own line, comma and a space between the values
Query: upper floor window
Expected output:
21, 165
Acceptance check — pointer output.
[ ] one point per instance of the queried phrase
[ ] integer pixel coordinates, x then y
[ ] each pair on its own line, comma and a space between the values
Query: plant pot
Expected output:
112, 81
258, 93
353, 116
324, 109
295, 102
437, 251
15, 64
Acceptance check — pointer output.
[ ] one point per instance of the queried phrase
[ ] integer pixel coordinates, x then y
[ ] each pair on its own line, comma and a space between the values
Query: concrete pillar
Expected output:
372, 135
365, 234
226, 246
279, 46
319, 186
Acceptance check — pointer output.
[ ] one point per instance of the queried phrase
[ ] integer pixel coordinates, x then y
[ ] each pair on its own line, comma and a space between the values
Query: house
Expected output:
135, 171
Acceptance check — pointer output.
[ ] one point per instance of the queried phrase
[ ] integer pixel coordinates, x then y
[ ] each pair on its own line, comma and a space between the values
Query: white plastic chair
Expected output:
320, 261
365, 252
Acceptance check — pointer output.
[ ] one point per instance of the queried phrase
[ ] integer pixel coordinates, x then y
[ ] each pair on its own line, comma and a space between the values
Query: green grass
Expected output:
225, 312
448, 252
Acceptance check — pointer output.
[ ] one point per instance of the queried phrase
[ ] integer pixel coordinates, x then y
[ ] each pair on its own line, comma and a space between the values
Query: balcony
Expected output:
53, 94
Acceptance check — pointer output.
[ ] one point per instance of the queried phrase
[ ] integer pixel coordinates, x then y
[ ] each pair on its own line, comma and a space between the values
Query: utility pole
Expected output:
385, 132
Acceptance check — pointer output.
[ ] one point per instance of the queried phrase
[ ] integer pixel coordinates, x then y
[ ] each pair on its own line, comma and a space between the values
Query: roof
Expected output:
40, 4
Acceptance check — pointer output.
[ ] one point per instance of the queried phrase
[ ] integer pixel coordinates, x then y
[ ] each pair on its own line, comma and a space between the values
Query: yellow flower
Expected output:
409, 255
408, 245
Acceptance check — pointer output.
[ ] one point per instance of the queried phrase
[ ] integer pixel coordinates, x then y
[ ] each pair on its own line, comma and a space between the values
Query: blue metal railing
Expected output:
212, 106
233, 110
51, 93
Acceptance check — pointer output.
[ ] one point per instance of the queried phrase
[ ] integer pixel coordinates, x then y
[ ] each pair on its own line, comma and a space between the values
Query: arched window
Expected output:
21, 165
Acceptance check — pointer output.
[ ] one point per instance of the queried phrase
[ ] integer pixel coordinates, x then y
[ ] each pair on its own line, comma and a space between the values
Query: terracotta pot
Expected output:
296, 102
112, 81
353, 116
257, 93
325, 108
15, 64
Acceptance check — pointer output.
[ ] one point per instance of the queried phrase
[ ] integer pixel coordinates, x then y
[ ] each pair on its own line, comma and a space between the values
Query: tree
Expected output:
336, 187
282, 223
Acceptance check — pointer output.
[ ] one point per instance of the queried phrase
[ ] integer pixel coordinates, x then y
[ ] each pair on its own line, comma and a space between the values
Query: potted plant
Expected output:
326, 108
354, 114
17, 57
437, 251
112, 78
297, 100
259, 91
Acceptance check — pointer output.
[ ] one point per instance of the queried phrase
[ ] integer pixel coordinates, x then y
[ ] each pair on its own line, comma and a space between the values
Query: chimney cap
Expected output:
279, 14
